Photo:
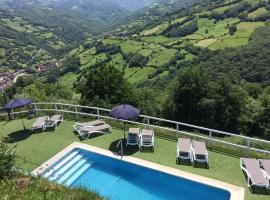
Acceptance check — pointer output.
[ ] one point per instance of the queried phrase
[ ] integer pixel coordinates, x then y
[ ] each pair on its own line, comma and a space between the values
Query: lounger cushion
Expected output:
199, 148
55, 118
184, 145
96, 128
254, 170
147, 134
39, 122
265, 165
135, 131
91, 123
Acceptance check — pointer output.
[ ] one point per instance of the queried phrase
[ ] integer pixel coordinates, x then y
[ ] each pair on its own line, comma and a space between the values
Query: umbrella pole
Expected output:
23, 124
124, 130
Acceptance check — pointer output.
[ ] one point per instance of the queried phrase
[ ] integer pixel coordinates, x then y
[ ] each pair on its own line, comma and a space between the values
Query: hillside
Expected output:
152, 54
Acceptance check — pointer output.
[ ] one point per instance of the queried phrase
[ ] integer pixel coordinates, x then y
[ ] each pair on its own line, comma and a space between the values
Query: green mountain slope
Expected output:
186, 38
31, 35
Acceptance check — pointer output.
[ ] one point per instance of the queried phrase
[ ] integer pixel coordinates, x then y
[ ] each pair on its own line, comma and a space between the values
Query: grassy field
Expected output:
241, 37
140, 75
162, 57
131, 46
257, 13
39, 147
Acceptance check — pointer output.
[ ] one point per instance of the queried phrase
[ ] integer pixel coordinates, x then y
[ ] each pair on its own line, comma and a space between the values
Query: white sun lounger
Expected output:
265, 166
183, 150
78, 126
39, 123
85, 132
146, 139
199, 152
255, 176
53, 121
133, 136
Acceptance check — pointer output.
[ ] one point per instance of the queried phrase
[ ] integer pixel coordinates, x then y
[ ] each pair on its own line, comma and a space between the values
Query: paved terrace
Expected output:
35, 149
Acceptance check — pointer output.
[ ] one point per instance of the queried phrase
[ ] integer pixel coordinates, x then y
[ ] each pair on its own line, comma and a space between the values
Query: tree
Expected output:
188, 90
71, 64
232, 29
104, 86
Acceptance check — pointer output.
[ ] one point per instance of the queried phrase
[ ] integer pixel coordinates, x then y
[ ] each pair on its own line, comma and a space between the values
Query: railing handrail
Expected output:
97, 114
163, 120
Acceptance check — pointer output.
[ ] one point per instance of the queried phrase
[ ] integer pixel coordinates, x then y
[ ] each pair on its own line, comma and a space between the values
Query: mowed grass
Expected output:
131, 46
258, 12
155, 30
35, 149
157, 39
229, 43
162, 57
245, 29
19, 25
141, 75
110, 41
240, 38
206, 42
212, 28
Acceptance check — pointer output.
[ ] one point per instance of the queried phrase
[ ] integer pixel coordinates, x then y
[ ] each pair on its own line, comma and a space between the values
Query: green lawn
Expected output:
257, 13
39, 147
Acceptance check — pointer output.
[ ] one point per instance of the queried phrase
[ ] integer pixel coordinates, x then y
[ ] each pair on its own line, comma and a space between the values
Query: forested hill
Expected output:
223, 37
30, 35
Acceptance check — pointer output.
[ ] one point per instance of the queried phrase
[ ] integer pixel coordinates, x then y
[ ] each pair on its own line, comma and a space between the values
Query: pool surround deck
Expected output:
237, 193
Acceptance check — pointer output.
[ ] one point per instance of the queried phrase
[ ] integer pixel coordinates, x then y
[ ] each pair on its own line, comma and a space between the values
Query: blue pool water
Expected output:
121, 180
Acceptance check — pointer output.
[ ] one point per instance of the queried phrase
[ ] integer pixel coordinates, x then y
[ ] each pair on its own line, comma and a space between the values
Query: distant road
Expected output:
16, 77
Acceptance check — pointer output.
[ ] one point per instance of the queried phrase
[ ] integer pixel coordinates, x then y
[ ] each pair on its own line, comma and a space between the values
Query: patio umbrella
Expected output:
17, 103
125, 112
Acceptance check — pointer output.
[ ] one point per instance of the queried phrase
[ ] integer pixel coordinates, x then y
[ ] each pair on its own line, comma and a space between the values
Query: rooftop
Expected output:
35, 149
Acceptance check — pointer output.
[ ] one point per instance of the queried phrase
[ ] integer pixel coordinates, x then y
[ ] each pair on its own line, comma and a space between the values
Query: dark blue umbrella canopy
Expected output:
17, 103
125, 112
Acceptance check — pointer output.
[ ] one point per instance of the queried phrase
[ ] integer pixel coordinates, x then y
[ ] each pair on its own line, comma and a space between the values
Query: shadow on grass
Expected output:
18, 136
128, 150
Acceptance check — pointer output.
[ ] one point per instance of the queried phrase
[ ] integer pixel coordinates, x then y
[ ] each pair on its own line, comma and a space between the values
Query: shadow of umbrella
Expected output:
18, 136
127, 151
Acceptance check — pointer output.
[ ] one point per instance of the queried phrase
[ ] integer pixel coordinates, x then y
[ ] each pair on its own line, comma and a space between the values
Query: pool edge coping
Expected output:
237, 192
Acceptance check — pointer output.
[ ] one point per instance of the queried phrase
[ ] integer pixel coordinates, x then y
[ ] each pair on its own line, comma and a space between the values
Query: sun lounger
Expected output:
146, 139
183, 150
199, 152
53, 121
255, 176
78, 126
85, 132
265, 166
133, 136
40, 123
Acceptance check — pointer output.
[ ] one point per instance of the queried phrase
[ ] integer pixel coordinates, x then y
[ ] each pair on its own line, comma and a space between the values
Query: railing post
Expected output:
36, 111
12, 114
248, 147
177, 131
148, 122
210, 139
97, 113
76, 110
55, 107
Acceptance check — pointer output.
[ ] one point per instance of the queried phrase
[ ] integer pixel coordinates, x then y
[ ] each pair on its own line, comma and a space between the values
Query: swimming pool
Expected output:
121, 180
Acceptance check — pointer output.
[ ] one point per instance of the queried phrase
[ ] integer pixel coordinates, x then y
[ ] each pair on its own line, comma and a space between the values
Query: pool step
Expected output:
71, 170
76, 175
62, 163
66, 167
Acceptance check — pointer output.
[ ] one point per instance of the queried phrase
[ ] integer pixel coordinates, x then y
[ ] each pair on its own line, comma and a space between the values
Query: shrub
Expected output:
7, 159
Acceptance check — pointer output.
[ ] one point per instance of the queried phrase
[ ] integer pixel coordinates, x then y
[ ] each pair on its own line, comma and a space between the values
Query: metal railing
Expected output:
154, 122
